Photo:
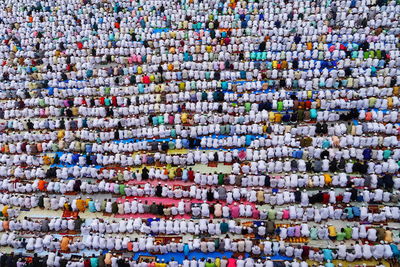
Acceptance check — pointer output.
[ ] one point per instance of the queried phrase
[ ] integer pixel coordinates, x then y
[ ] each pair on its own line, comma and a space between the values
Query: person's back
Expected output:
36, 261
101, 260
107, 259
11, 261
231, 262
94, 261
209, 263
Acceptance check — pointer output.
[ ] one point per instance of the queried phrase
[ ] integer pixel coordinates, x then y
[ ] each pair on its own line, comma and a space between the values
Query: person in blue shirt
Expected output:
329, 264
367, 154
328, 255
313, 113
395, 250
349, 212
326, 144
185, 143
155, 120
75, 158
356, 211
249, 139
94, 261
186, 249
92, 207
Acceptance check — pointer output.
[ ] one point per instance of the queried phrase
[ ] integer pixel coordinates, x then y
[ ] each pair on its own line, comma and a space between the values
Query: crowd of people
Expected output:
109, 259
266, 229
204, 209
266, 132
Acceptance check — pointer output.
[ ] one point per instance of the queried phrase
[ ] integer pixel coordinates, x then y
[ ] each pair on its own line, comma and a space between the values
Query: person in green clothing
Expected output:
348, 230
103, 204
279, 105
120, 176
107, 90
209, 263
41, 102
272, 214
173, 132
54, 147
314, 233
372, 102
247, 106
114, 208
122, 189
366, 54
341, 235
221, 177
300, 115
160, 119
204, 96
378, 54
216, 243
171, 144
228, 128
224, 227
222, 129
354, 54
253, 55
215, 96
387, 153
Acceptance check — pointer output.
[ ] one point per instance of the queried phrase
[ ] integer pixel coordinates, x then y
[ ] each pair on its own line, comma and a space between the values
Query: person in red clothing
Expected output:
235, 211
190, 175
146, 79
79, 45
325, 198
130, 246
308, 104
242, 155
339, 198
256, 213
231, 262
306, 251
368, 115
114, 101
42, 185
178, 172
227, 40
87, 263
151, 264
